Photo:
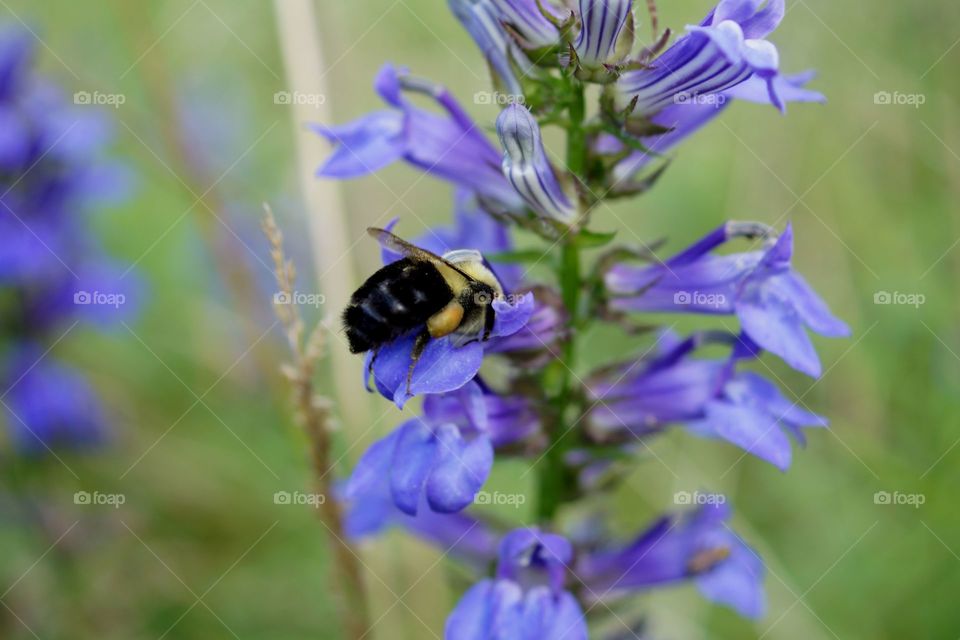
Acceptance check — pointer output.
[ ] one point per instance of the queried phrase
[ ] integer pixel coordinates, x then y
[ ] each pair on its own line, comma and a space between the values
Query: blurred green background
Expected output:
204, 434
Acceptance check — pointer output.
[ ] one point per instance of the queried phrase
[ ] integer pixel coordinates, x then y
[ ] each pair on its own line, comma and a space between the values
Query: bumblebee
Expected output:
450, 295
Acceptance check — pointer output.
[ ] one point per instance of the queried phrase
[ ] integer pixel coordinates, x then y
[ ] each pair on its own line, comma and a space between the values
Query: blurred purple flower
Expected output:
696, 546
49, 405
707, 396
775, 304
724, 50
52, 176
527, 599
450, 146
526, 166
602, 22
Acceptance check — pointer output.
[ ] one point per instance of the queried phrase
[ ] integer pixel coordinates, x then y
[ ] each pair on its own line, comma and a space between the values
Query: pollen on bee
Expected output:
445, 321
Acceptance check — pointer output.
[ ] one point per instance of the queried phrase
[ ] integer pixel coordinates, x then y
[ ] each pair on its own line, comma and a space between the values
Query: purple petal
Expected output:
412, 461
737, 582
489, 609
773, 323
364, 146
460, 472
755, 432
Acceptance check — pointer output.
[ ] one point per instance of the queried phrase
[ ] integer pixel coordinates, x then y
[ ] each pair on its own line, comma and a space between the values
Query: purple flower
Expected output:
725, 50
707, 396
52, 176
773, 303
437, 462
49, 405
527, 599
450, 146
526, 166
371, 509
528, 21
602, 22
680, 121
752, 414
444, 457
697, 546
483, 20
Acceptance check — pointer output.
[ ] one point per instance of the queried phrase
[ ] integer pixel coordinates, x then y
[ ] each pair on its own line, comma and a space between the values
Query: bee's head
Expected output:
471, 263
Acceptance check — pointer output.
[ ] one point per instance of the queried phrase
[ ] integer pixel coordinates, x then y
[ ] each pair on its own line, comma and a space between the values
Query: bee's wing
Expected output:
399, 245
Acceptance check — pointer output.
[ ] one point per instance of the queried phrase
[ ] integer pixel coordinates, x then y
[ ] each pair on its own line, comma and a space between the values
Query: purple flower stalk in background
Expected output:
53, 273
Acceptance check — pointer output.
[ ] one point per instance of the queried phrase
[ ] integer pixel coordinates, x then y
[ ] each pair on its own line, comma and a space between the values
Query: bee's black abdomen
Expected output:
397, 298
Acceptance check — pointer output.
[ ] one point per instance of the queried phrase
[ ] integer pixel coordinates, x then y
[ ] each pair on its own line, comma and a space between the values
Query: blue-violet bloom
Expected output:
526, 166
602, 22
450, 146
527, 599
696, 546
724, 50
774, 304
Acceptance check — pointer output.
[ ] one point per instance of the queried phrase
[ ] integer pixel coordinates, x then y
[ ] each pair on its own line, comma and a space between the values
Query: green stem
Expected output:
555, 481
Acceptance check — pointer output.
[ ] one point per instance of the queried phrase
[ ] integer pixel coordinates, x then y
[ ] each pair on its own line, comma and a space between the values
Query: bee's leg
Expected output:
370, 373
489, 317
418, 346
